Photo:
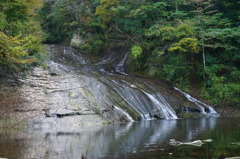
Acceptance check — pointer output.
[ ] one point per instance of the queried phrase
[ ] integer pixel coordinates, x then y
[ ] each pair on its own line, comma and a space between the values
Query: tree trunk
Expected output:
204, 59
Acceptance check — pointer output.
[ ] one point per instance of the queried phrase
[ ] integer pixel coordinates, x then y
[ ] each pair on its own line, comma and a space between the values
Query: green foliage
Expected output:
20, 34
176, 71
227, 38
137, 57
223, 85
223, 93
13, 16
60, 19
14, 50
92, 47
136, 51
106, 11
234, 76
187, 45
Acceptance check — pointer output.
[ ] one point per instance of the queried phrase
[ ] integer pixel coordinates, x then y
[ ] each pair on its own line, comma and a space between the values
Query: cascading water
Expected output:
120, 66
161, 104
110, 86
124, 113
204, 108
149, 106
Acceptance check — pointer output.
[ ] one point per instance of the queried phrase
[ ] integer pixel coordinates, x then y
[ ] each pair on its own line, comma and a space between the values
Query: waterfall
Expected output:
102, 85
134, 98
120, 66
124, 113
162, 105
204, 108
149, 106
71, 53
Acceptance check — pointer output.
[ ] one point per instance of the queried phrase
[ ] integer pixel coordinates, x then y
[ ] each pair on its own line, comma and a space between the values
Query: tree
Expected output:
202, 8
60, 19
14, 50
20, 34
106, 11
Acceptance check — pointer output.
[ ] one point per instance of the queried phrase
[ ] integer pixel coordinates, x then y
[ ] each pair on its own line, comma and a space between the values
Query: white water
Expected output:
210, 111
120, 110
146, 117
165, 109
59, 68
147, 105
106, 60
120, 66
71, 52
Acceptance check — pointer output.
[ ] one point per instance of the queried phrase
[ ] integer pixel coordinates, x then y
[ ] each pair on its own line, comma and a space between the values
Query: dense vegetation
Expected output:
185, 42
20, 34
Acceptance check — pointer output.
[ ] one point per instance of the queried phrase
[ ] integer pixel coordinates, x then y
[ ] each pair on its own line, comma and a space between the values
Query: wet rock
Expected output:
77, 41
57, 100
60, 113
174, 142
236, 143
208, 140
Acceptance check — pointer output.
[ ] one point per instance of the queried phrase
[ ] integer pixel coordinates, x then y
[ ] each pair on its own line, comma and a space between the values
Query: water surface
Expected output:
145, 139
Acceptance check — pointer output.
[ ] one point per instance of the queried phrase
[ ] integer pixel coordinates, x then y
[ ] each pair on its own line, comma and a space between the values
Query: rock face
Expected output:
59, 99
76, 41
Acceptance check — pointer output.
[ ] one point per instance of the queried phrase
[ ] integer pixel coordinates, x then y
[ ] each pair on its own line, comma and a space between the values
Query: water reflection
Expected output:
131, 140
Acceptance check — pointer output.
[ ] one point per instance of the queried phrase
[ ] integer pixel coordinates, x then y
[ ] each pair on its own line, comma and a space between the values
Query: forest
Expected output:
188, 43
